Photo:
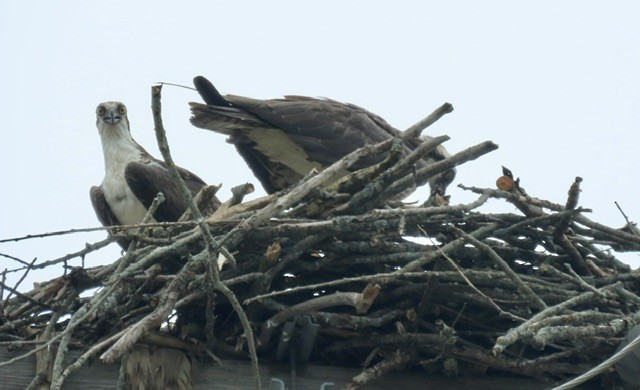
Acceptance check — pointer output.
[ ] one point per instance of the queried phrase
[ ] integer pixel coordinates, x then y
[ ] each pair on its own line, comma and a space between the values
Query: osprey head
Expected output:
110, 114
441, 181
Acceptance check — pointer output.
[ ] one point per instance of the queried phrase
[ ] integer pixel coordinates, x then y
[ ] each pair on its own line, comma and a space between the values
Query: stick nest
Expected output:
442, 288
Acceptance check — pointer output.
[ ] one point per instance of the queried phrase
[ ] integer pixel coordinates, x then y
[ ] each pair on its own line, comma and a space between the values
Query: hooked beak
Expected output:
111, 117
438, 197
437, 190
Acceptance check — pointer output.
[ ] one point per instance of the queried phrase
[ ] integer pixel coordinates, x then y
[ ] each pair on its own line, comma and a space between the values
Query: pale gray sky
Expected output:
555, 84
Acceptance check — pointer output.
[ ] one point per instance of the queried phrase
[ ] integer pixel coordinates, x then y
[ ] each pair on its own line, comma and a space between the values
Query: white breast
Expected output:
124, 204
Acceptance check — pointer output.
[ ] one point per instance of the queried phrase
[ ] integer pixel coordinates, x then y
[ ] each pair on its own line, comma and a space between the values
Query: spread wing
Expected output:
147, 179
104, 213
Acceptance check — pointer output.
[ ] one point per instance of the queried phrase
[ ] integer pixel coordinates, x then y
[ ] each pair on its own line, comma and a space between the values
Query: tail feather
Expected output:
209, 93
225, 120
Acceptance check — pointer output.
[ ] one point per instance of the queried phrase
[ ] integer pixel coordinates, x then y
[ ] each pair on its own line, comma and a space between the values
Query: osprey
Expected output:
133, 177
281, 140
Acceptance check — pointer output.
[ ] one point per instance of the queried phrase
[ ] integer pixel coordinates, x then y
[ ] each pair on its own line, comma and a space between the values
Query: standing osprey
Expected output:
281, 140
133, 177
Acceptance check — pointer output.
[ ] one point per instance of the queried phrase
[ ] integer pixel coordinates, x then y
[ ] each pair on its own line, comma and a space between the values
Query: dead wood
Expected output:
449, 288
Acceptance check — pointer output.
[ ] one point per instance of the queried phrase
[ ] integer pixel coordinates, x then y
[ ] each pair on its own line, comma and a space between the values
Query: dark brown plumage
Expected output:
281, 140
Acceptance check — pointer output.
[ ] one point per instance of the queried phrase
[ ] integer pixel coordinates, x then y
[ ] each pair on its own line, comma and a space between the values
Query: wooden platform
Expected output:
237, 375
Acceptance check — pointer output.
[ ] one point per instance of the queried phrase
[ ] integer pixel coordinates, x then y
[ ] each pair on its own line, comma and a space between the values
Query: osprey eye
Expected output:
100, 111
122, 109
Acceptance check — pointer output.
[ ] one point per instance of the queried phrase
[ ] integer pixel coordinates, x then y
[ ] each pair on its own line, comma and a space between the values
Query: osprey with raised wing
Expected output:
281, 140
133, 178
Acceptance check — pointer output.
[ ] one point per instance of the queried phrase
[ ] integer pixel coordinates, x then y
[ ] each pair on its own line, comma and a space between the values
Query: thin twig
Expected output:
95, 229
15, 259
524, 289
488, 300
24, 275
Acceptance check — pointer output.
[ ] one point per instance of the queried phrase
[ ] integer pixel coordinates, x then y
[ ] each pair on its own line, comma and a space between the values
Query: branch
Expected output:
360, 301
514, 334
523, 288
396, 362
423, 174
415, 130
212, 245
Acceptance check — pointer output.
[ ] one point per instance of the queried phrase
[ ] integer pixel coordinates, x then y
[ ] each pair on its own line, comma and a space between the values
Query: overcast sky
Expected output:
555, 84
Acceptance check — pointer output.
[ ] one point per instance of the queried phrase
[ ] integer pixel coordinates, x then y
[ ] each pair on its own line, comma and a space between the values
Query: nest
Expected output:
336, 264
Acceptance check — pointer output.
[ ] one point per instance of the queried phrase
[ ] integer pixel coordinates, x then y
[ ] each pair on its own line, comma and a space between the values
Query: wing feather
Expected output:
147, 179
102, 208
319, 132
104, 213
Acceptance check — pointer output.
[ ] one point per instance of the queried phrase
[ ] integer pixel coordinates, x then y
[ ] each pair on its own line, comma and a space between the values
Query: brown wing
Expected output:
273, 175
104, 213
327, 130
102, 208
282, 139
147, 179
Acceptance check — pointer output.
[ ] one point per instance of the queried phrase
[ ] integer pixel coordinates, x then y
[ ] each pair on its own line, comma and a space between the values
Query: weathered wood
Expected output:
234, 375
520, 300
